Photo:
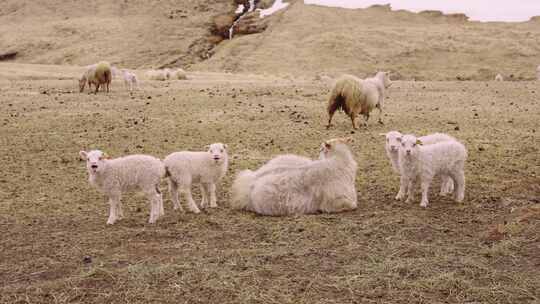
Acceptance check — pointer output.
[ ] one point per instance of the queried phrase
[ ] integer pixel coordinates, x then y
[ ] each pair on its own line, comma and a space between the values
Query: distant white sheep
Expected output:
114, 176
178, 74
130, 80
422, 163
161, 75
96, 74
499, 77
393, 142
293, 184
356, 96
205, 168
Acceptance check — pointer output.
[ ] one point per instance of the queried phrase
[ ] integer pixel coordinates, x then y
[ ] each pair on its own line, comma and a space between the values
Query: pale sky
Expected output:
478, 10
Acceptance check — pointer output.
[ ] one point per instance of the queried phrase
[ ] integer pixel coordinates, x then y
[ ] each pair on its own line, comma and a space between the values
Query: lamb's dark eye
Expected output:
414, 145
221, 150
402, 144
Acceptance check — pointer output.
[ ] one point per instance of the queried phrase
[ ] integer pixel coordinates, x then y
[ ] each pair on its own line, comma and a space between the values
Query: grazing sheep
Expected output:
114, 176
205, 168
96, 74
130, 80
422, 163
356, 96
292, 184
499, 77
393, 142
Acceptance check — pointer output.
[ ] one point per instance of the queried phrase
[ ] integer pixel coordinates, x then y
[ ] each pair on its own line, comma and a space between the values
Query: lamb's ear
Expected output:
327, 145
226, 147
83, 155
419, 142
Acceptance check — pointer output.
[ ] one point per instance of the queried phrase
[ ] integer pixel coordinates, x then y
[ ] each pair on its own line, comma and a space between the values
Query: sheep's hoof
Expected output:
424, 204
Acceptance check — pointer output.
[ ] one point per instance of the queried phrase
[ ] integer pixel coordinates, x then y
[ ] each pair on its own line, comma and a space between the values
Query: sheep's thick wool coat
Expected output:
295, 185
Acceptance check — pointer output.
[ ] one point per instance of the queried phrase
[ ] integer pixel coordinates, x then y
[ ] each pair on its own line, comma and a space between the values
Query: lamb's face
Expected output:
410, 145
393, 141
95, 160
218, 151
330, 147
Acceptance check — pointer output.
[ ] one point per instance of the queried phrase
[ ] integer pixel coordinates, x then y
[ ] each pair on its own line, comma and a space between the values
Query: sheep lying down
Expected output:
291, 184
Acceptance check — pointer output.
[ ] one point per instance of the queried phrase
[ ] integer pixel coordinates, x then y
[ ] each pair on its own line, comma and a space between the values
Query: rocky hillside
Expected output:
299, 40
133, 33
429, 45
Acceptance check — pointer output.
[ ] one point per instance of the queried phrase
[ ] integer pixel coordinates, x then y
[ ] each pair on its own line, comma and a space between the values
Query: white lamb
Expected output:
205, 168
114, 176
296, 185
393, 142
422, 163
178, 74
130, 80
382, 81
161, 75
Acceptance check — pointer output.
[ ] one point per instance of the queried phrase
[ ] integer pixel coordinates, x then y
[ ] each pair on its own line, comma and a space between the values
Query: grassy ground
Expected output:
56, 247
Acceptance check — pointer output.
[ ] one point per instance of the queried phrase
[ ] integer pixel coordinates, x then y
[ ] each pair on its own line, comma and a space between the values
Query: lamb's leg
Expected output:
353, 118
119, 211
403, 183
161, 210
380, 113
107, 84
459, 186
173, 191
204, 190
447, 185
213, 200
114, 201
153, 198
410, 191
425, 189
97, 88
186, 189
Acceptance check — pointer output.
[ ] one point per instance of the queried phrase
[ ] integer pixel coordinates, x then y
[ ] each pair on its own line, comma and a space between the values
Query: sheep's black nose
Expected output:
94, 166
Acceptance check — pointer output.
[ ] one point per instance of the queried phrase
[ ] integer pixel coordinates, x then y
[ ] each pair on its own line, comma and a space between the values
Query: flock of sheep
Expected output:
287, 184
102, 73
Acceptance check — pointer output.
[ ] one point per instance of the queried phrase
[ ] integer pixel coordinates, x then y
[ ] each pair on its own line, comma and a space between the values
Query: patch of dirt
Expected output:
57, 248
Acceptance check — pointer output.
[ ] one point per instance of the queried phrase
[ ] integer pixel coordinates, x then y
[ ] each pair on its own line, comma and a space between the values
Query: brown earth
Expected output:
300, 40
56, 247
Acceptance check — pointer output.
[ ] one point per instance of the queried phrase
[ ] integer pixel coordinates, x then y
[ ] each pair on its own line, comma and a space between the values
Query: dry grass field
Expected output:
56, 247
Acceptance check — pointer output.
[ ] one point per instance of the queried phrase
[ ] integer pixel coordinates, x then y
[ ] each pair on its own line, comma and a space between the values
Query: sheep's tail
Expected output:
345, 88
241, 189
